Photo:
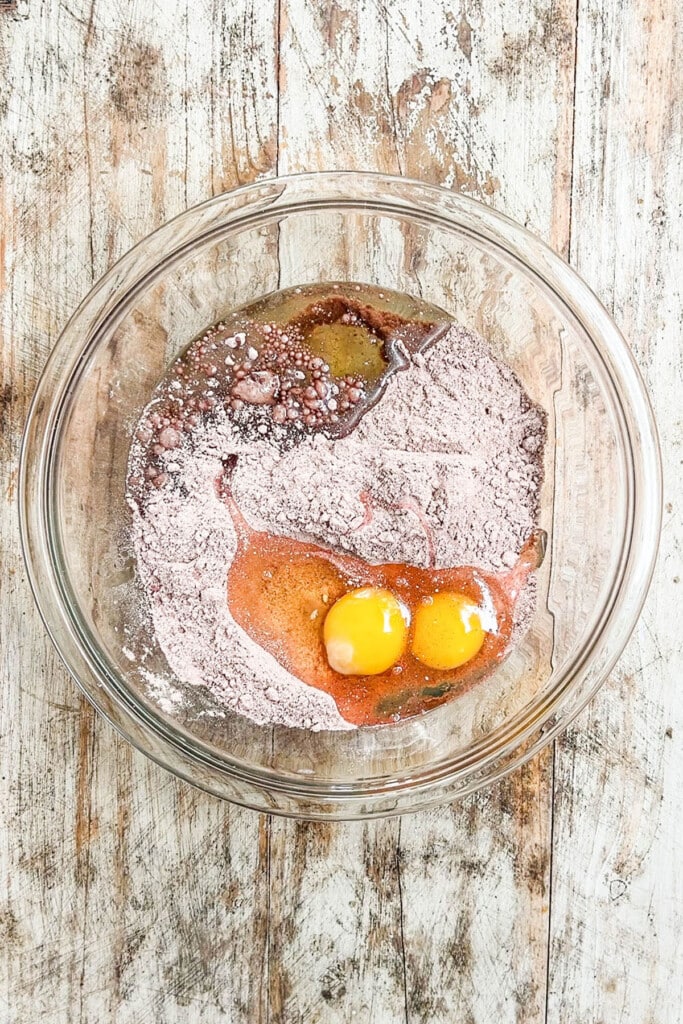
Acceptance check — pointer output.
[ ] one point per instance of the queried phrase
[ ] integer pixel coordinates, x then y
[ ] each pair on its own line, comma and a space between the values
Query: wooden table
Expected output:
556, 896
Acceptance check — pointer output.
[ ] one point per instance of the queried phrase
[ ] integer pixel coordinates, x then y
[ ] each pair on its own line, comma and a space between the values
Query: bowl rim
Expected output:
506, 747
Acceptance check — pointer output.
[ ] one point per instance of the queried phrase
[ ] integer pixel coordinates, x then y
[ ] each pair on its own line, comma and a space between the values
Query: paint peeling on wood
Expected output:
117, 120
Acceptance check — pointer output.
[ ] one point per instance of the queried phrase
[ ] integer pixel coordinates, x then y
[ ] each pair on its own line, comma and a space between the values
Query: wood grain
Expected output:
430, 107
126, 896
617, 896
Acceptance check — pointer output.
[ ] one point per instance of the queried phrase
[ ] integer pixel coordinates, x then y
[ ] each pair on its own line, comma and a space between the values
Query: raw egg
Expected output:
447, 630
365, 632
378, 649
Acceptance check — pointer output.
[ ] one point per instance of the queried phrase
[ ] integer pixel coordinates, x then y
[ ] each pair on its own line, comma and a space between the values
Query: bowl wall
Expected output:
600, 500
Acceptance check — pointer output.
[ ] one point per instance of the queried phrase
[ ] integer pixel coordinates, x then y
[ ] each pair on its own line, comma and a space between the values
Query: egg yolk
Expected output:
447, 631
365, 632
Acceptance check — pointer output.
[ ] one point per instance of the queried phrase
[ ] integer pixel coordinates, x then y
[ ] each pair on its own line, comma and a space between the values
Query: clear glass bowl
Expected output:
601, 500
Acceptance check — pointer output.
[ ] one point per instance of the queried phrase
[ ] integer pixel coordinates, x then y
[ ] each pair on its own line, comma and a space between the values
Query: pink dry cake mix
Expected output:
438, 467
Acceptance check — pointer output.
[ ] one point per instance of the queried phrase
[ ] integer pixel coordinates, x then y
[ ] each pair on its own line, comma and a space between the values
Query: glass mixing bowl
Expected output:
601, 499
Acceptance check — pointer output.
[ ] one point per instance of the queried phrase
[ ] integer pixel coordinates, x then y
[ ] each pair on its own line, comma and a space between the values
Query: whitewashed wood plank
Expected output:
476, 96
617, 903
335, 949
125, 895
479, 98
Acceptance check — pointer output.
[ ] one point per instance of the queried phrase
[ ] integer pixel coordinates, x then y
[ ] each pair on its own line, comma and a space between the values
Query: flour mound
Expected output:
452, 452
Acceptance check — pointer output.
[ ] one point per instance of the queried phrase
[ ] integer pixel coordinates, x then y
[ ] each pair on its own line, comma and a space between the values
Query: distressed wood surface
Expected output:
617, 895
126, 896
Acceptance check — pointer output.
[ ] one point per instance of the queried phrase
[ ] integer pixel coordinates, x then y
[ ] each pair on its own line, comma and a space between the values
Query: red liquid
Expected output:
280, 590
